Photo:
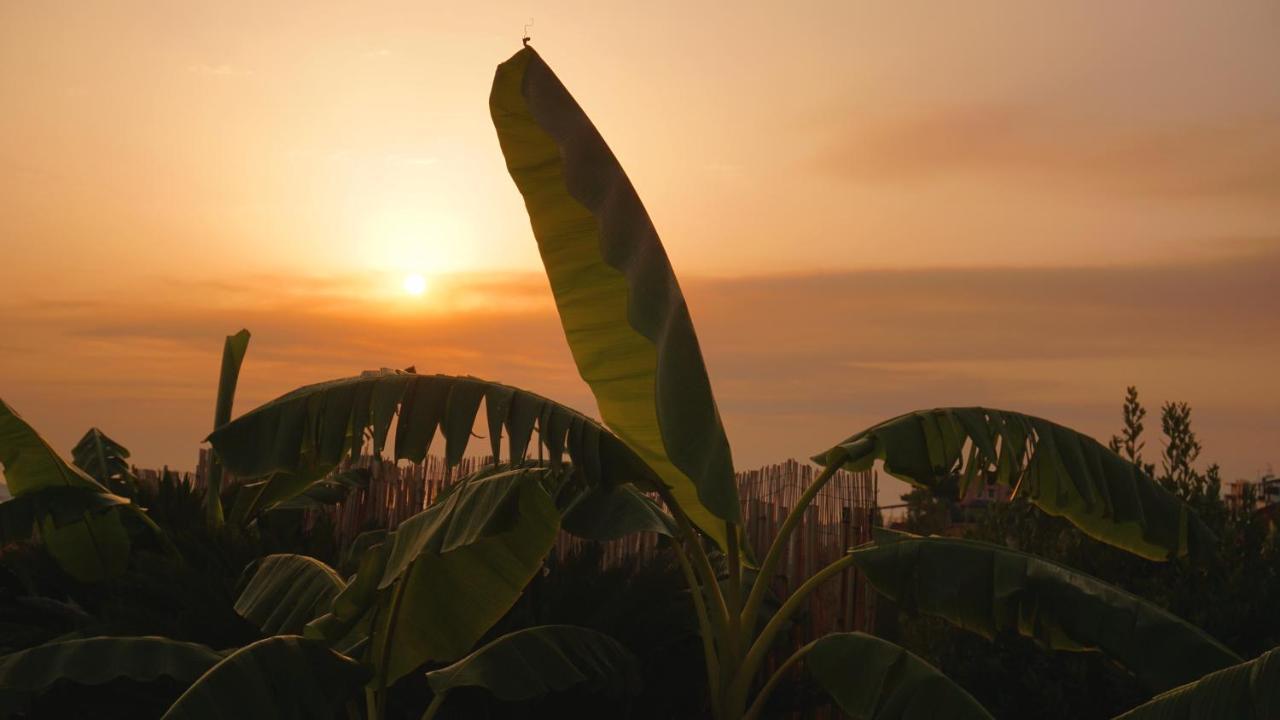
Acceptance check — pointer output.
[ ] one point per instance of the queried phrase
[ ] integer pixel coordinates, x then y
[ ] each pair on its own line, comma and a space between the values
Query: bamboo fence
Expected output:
838, 518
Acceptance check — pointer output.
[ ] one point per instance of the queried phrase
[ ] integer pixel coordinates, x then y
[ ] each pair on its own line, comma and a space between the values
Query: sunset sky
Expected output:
873, 207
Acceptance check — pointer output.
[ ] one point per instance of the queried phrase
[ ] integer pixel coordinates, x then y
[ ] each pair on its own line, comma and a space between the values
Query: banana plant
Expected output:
631, 336
87, 529
424, 595
106, 461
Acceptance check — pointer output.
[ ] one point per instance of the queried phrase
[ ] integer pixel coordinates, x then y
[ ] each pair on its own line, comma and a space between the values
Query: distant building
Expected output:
1253, 494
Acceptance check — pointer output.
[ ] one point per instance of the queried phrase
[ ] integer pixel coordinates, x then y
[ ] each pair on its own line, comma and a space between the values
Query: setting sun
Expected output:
415, 284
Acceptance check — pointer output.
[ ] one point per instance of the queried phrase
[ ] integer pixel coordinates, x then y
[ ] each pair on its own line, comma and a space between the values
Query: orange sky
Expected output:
1020, 206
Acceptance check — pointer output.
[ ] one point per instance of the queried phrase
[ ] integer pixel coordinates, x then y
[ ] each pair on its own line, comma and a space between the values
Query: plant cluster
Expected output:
409, 621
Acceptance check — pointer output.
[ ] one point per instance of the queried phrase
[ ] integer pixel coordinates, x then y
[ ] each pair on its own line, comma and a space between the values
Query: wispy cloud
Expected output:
1237, 156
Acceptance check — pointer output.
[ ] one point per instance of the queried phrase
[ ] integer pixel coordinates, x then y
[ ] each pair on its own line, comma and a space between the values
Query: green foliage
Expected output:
286, 592
300, 437
872, 679
98, 660
993, 591
328, 491
535, 661
1248, 691
91, 548
472, 569
490, 537
1062, 472
58, 506
623, 314
1229, 595
279, 678
106, 461
233, 351
610, 513
1129, 444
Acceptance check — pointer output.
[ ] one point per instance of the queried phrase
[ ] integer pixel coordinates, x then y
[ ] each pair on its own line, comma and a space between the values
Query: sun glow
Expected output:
415, 284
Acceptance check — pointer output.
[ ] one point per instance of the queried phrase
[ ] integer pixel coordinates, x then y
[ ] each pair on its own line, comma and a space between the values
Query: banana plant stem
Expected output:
704, 628
733, 596
737, 691
764, 579
436, 703
718, 612
762, 697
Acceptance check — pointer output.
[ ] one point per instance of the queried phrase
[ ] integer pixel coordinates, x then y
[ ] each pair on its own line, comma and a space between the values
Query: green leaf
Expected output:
104, 459
93, 548
1061, 471
872, 679
623, 314
279, 678
327, 491
478, 507
992, 590
535, 661
233, 351
298, 438
454, 577
347, 625
1248, 691
30, 463
609, 513
97, 660
63, 505
286, 592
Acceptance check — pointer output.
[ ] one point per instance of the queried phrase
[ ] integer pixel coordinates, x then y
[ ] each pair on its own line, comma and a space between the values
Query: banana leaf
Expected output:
610, 513
105, 460
992, 590
623, 314
1248, 691
62, 505
90, 549
873, 679
535, 661
298, 438
328, 491
98, 660
452, 574
286, 592
233, 351
1061, 471
279, 678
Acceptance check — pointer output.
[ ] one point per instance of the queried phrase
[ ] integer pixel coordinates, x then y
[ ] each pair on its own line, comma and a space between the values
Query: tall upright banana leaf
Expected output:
233, 350
94, 546
1061, 471
622, 311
